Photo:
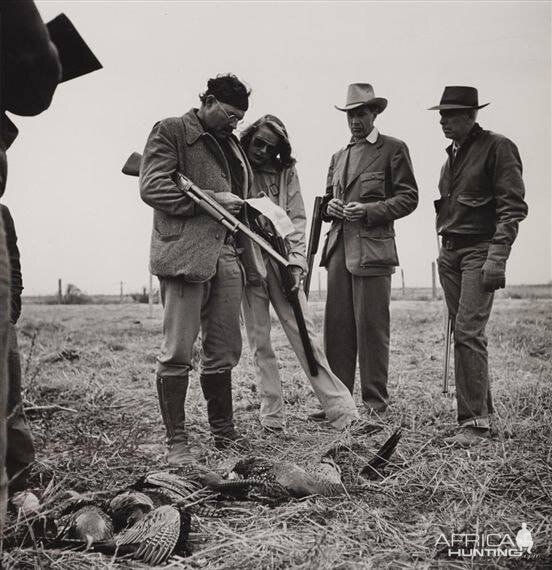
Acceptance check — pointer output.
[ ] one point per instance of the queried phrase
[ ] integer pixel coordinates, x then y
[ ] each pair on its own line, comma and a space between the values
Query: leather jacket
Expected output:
482, 190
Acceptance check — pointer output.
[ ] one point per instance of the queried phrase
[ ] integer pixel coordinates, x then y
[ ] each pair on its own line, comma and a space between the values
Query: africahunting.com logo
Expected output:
486, 544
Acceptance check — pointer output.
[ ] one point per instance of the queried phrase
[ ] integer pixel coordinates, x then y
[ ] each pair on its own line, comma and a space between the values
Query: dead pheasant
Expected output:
263, 479
270, 481
85, 524
185, 489
128, 508
161, 533
153, 539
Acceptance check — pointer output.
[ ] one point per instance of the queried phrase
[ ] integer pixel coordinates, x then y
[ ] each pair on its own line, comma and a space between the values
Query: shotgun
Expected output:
210, 206
221, 215
314, 239
448, 341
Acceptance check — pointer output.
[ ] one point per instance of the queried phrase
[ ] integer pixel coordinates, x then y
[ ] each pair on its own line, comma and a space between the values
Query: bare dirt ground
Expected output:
100, 429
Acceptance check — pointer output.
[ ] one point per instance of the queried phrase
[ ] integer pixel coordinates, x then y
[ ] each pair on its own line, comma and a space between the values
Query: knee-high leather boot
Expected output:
172, 396
217, 389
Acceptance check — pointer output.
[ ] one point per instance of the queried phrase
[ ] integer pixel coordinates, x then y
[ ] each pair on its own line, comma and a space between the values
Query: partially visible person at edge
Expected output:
20, 453
269, 151
196, 260
371, 183
478, 213
29, 74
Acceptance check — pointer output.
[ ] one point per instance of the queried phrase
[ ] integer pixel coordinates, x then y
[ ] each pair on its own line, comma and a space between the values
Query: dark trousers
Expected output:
20, 452
470, 305
357, 321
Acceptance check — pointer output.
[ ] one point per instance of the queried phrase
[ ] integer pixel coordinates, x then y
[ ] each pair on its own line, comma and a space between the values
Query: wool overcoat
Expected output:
185, 242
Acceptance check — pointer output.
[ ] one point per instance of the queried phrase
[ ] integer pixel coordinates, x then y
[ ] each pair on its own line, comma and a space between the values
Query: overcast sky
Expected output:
80, 219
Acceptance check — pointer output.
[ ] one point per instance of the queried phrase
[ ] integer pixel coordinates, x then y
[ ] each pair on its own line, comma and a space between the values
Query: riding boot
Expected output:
172, 396
217, 389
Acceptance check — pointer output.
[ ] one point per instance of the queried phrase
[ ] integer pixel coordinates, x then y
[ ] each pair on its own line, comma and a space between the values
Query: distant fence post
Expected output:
402, 281
60, 292
150, 296
433, 282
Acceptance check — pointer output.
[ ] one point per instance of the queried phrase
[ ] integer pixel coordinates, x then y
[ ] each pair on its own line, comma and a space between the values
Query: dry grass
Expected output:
110, 433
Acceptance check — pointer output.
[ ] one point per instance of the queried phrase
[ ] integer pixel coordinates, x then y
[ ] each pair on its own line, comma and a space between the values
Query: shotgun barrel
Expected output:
448, 342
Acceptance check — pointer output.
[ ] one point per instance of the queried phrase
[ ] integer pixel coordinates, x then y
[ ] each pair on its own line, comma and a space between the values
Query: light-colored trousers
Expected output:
334, 397
213, 306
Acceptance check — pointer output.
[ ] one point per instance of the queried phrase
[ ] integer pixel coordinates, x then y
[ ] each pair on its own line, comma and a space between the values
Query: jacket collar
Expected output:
372, 138
192, 126
472, 135
372, 153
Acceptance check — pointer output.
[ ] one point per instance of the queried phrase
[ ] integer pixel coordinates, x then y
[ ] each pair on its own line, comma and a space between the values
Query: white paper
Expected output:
282, 223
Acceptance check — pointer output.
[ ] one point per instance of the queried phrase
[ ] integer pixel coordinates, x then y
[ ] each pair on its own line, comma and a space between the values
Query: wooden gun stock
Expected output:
314, 240
132, 165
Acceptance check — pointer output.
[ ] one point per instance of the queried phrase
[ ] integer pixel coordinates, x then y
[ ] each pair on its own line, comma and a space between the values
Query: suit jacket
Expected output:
185, 241
384, 180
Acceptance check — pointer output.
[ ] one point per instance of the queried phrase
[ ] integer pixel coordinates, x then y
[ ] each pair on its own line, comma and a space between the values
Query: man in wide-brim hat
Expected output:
370, 184
478, 213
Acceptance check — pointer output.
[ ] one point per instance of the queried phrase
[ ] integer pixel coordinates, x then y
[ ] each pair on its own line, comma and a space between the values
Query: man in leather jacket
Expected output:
478, 213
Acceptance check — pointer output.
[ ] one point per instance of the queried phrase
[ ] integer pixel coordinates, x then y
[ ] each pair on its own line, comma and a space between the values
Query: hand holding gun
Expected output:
210, 206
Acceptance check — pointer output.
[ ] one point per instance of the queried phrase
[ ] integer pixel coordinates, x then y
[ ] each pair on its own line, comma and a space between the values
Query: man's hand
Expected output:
354, 211
335, 208
493, 275
228, 201
297, 273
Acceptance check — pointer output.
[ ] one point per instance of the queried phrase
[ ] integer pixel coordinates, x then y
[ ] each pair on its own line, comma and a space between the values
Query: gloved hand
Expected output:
493, 271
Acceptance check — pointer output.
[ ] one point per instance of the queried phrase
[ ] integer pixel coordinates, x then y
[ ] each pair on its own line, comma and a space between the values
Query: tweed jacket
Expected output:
482, 190
384, 181
185, 241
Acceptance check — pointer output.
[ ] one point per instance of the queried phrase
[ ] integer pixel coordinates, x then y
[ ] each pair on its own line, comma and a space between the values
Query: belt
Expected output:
458, 242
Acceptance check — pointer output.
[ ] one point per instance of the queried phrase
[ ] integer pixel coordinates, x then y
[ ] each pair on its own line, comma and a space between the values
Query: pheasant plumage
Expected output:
259, 478
128, 508
157, 536
87, 524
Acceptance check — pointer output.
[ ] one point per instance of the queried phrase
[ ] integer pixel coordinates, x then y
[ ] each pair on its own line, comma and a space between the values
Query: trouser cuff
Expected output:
481, 423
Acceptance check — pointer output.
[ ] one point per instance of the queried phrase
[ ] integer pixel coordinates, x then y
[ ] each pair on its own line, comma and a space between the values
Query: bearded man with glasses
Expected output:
196, 260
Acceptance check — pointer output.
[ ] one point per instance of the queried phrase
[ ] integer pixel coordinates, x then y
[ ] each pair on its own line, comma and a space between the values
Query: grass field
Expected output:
108, 432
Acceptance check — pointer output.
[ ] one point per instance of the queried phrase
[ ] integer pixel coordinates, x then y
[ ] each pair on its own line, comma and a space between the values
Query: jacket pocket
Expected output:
474, 200
372, 186
329, 245
168, 228
377, 250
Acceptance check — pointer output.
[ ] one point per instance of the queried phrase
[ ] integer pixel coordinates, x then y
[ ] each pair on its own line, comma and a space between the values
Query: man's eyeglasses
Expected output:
233, 120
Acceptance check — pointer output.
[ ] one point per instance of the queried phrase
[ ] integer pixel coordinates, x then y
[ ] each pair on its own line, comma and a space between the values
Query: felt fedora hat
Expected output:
458, 97
359, 94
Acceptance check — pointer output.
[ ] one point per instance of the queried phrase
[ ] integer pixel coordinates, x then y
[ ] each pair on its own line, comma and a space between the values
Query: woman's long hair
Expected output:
283, 158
